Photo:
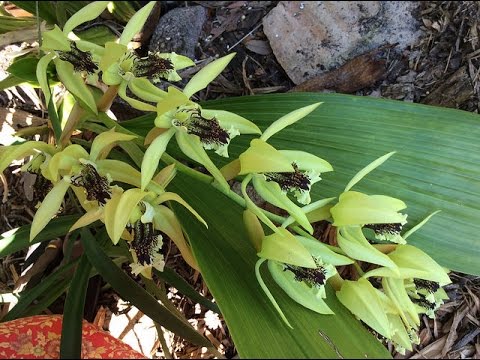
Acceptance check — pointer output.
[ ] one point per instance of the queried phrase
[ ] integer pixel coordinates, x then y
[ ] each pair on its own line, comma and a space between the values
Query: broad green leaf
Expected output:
71, 340
46, 11
132, 292
87, 13
178, 282
24, 68
227, 260
435, 166
49, 207
75, 84
205, 76
135, 24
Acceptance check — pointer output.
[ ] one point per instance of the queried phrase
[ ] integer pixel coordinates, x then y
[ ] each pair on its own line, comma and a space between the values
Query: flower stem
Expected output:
77, 112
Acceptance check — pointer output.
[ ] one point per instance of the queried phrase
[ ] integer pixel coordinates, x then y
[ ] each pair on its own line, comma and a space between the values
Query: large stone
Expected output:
179, 30
312, 37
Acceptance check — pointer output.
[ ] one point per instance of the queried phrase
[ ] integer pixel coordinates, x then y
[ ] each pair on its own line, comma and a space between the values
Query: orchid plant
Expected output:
132, 203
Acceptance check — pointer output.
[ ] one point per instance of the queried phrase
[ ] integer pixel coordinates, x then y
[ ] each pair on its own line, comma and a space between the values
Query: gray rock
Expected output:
312, 37
179, 30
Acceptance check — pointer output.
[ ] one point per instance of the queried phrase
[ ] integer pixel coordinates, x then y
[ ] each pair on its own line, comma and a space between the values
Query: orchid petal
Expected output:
49, 207
153, 154
307, 161
228, 120
136, 22
286, 248
167, 196
105, 141
87, 13
288, 119
367, 169
309, 297
206, 75
261, 157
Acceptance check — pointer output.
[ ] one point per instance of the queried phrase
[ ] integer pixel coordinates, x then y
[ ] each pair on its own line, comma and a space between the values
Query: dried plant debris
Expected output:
443, 67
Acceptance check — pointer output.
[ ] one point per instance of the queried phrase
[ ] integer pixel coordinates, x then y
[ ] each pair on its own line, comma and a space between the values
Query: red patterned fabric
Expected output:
38, 337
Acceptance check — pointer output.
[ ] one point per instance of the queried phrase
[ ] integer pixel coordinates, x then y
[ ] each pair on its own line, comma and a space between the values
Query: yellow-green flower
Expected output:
301, 267
195, 129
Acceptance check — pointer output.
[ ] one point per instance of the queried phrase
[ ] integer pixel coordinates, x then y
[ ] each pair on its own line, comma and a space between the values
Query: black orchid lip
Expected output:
95, 185
385, 229
208, 130
290, 180
81, 60
430, 286
313, 277
145, 241
153, 66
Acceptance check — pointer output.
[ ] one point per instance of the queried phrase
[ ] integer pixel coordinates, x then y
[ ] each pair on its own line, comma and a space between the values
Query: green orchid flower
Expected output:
74, 59
140, 218
75, 167
195, 129
379, 213
274, 173
377, 310
300, 266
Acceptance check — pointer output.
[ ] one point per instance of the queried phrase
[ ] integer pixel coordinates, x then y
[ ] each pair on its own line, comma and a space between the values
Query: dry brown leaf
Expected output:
261, 47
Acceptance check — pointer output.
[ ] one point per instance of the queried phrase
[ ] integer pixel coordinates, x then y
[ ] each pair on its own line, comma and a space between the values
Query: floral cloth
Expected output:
38, 337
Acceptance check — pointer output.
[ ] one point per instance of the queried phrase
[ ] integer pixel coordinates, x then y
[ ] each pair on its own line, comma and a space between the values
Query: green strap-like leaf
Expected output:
71, 340
18, 238
185, 288
134, 293
46, 286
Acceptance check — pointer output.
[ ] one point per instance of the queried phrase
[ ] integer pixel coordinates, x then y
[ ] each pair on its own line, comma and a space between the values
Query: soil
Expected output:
441, 69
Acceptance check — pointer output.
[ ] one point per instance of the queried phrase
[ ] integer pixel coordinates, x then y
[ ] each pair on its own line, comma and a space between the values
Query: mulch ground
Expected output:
441, 69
